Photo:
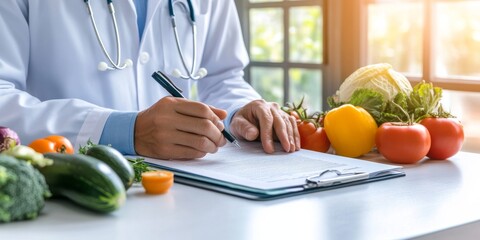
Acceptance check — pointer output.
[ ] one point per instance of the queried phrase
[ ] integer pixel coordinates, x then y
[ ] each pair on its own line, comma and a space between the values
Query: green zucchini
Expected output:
85, 180
115, 160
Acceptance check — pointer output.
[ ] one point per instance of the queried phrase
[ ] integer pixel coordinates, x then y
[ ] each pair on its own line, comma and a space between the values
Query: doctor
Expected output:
82, 69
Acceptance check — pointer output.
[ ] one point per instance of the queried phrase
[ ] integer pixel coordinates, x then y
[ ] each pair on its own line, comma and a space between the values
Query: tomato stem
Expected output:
62, 149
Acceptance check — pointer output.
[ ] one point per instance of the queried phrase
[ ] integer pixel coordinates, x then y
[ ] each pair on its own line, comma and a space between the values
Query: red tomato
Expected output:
447, 137
313, 138
306, 128
401, 143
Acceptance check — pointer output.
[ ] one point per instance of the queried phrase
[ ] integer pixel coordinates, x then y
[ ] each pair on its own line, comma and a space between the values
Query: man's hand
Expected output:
265, 120
176, 128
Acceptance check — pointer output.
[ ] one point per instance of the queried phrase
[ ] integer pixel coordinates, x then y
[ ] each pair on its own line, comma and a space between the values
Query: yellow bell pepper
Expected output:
351, 130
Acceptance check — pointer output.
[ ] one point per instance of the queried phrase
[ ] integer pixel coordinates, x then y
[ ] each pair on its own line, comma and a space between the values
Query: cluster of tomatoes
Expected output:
404, 143
435, 137
312, 134
52, 144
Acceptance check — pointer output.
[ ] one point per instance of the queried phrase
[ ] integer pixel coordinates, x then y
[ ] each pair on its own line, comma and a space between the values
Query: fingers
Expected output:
200, 110
244, 129
296, 133
222, 114
178, 146
196, 144
202, 127
179, 128
265, 119
268, 121
284, 131
285, 128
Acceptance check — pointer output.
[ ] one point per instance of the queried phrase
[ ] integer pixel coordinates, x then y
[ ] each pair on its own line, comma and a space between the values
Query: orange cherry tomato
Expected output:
52, 144
157, 182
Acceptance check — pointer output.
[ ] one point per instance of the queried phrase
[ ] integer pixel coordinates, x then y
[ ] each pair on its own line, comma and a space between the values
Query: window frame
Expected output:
345, 46
456, 83
243, 8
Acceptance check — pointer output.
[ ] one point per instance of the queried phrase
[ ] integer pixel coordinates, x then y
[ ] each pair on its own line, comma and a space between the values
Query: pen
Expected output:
166, 83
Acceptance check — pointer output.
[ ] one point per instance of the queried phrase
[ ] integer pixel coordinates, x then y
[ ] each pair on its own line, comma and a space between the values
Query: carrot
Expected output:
157, 181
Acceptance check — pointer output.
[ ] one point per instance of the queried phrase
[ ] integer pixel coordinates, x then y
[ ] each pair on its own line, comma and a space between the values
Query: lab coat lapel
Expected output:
152, 8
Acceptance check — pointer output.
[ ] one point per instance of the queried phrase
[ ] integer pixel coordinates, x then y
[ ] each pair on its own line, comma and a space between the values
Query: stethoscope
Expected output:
116, 65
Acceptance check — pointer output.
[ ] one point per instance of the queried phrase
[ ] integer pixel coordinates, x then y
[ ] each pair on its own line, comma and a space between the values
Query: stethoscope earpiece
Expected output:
102, 66
128, 62
202, 72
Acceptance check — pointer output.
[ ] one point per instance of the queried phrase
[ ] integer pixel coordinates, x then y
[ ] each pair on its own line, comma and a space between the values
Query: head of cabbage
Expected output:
378, 77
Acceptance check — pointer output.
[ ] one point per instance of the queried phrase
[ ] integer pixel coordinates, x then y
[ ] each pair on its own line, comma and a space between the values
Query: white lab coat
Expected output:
49, 81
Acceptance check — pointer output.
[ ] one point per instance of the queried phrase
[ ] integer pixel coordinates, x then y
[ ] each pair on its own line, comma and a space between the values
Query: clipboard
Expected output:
240, 172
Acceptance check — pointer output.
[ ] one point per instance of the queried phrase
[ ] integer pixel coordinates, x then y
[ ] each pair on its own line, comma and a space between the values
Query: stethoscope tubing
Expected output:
111, 8
190, 73
171, 11
116, 65
180, 51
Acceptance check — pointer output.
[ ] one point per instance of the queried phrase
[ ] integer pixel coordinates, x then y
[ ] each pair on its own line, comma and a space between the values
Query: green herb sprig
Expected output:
139, 167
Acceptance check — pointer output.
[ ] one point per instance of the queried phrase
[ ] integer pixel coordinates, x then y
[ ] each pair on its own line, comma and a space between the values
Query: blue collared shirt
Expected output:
120, 126
141, 7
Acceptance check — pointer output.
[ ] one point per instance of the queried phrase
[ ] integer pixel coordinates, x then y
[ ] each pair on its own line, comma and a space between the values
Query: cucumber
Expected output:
115, 160
85, 180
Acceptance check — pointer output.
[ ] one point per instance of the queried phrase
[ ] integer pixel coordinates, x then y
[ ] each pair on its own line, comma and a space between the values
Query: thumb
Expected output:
222, 114
241, 127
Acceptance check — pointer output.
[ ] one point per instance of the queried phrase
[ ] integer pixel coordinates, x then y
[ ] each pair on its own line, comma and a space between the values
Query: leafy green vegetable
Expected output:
423, 101
374, 103
22, 190
370, 100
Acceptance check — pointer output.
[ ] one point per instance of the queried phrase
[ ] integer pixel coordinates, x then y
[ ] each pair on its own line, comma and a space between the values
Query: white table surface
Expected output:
436, 199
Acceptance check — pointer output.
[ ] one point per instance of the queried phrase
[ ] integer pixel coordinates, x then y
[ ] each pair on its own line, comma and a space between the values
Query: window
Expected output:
435, 40
285, 40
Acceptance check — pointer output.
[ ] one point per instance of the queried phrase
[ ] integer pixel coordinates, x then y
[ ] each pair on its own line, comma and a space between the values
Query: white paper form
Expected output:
250, 166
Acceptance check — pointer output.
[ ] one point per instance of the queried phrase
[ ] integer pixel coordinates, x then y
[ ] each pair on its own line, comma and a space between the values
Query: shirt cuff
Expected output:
119, 132
228, 119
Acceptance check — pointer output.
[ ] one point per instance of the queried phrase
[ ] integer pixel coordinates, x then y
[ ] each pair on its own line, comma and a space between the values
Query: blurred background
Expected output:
306, 48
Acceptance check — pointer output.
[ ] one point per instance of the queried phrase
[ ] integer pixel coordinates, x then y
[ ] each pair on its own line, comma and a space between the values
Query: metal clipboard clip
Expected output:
317, 180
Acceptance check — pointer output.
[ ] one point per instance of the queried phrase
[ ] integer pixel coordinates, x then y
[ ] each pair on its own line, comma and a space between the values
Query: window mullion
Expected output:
427, 67
243, 14
286, 54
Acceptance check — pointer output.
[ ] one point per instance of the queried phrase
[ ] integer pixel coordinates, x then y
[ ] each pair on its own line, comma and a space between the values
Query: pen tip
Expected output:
236, 144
